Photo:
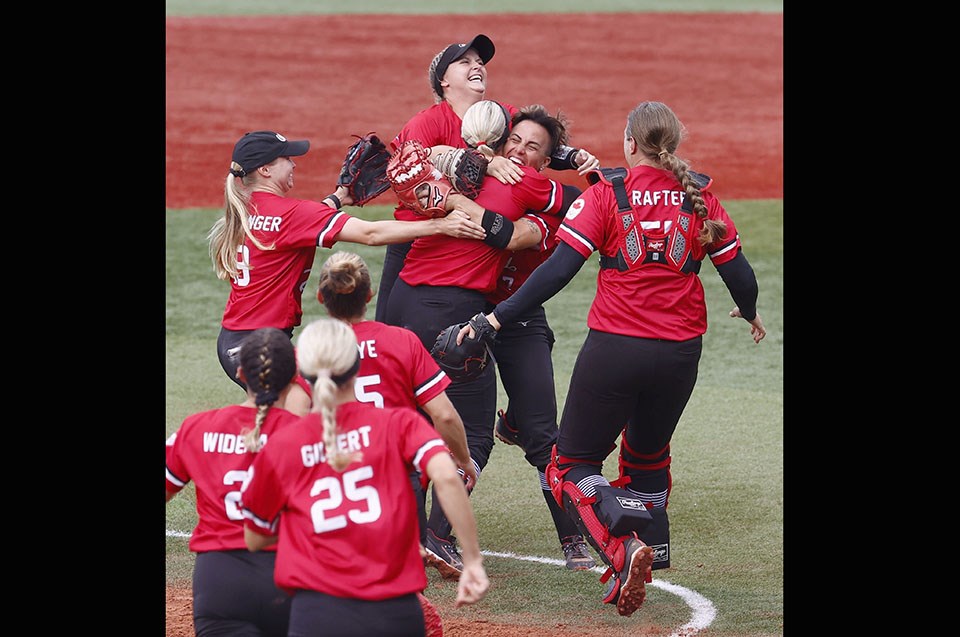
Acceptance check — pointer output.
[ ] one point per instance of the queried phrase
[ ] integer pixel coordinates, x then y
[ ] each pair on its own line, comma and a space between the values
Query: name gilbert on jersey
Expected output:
349, 441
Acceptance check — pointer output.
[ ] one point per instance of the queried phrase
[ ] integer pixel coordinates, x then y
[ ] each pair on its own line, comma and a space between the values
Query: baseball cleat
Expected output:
442, 554
504, 432
636, 572
576, 554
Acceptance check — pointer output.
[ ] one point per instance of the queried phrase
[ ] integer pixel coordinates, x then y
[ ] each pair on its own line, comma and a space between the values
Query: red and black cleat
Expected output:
504, 432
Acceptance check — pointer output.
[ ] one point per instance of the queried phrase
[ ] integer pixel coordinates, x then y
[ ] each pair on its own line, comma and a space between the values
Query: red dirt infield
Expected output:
326, 78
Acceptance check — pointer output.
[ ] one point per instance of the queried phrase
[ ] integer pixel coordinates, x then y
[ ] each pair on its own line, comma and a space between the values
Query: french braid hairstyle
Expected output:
345, 286
432, 76
328, 357
658, 132
269, 365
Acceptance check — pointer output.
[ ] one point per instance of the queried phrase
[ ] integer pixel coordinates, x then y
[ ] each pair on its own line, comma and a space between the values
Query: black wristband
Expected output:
336, 200
499, 229
564, 158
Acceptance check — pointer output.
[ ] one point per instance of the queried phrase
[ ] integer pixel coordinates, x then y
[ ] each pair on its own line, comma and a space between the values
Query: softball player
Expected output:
233, 590
441, 278
266, 241
396, 370
653, 225
335, 486
458, 79
445, 280
524, 347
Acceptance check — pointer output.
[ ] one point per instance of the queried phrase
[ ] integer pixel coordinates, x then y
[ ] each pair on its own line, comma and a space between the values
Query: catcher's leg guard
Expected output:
609, 520
649, 479
657, 537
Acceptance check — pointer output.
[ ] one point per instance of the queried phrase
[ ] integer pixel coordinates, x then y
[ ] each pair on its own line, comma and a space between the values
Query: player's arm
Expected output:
499, 230
257, 541
378, 233
570, 158
446, 420
473, 583
526, 234
436, 151
504, 170
741, 281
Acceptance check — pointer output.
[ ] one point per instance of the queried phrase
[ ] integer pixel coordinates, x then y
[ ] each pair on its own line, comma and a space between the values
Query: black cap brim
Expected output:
483, 46
295, 148
480, 43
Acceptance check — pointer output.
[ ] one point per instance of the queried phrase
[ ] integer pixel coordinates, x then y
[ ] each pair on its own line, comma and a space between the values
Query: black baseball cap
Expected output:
481, 44
261, 147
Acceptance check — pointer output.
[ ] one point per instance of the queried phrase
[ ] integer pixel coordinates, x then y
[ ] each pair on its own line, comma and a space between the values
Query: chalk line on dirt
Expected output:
704, 612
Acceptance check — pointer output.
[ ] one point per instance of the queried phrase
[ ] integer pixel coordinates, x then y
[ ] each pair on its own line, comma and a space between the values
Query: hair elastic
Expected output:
340, 379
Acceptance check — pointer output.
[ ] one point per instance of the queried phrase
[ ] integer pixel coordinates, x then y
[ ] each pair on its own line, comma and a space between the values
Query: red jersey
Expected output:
396, 370
353, 533
653, 298
471, 264
522, 263
208, 449
432, 126
269, 289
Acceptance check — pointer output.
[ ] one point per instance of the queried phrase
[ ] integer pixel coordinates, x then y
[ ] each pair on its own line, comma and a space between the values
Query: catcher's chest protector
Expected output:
668, 244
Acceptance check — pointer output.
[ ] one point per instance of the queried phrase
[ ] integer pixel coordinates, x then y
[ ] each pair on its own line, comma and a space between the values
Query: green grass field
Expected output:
726, 507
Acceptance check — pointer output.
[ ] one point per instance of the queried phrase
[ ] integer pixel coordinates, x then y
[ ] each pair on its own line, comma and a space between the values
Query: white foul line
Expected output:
704, 612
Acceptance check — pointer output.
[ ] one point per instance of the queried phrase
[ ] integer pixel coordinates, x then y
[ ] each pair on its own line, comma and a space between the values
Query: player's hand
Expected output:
757, 331
472, 585
458, 224
504, 170
343, 194
467, 471
467, 331
586, 162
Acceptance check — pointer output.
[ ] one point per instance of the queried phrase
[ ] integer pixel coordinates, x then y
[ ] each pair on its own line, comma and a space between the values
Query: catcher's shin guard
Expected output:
657, 537
650, 473
607, 519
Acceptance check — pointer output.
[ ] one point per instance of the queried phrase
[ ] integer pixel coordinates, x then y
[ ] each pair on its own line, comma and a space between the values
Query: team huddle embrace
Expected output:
339, 430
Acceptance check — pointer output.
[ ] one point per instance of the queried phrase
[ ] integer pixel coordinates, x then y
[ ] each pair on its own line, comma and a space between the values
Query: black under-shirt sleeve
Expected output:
570, 194
741, 281
550, 277
562, 158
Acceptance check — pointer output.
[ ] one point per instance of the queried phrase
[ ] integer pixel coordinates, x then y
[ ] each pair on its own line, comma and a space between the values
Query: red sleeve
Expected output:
178, 475
428, 379
417, 440
583, 228
261, 496
538, 193
722, 251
